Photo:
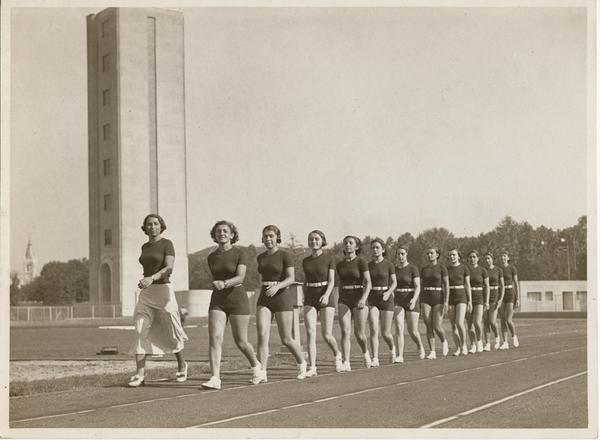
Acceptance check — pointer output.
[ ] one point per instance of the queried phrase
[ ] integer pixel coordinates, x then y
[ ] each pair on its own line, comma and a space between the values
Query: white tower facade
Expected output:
137, 157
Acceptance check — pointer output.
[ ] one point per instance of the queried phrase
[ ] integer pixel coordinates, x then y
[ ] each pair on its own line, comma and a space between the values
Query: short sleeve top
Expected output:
509, 273
495, 275
316, 269
351, 272
381, 273
153, 258
223, 264
478, 276
406, 276
432, 275
457, 274
272, 267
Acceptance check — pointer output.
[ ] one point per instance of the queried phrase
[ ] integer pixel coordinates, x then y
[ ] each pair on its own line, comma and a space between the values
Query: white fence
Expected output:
61, 313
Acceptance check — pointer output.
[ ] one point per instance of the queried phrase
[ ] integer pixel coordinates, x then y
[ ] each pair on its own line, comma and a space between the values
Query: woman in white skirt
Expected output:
156, 315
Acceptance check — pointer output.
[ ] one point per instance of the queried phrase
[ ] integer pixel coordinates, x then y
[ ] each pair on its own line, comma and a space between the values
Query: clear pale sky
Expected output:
372, 121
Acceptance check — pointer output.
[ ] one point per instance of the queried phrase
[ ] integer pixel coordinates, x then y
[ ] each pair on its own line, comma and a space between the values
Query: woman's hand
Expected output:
469, 307
486, 306
218, 284
412, 303
361, 303
145, 282
272, 290
445, 309
387, 295
324, 299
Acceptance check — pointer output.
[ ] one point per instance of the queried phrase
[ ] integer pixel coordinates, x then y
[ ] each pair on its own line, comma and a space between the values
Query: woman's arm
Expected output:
165, 271
393, 285
330, 284
286, 282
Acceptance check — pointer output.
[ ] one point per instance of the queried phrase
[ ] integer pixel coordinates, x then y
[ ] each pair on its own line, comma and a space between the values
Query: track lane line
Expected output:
499, 401
367, 390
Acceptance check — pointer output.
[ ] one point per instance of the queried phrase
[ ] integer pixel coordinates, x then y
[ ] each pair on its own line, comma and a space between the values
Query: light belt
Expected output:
352, 287
494, 287
432, 288
319, 284
510, 286
379, 288
269, 283
408, 289
476, 288
457, 287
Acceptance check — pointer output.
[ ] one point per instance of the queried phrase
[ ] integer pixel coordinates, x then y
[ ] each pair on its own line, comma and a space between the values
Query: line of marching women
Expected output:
377, 294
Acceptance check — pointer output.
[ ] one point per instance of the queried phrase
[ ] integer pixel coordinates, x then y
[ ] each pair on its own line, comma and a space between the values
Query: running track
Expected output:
541, 384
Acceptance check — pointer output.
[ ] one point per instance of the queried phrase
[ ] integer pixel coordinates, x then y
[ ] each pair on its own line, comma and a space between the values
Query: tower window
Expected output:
106, 167
106, 132
104, 28
105, 63
106, 97
107, 237
107, 202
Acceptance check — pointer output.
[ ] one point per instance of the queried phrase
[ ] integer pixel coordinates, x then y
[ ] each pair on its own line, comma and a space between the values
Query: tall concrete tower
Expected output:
30, 268
137, 158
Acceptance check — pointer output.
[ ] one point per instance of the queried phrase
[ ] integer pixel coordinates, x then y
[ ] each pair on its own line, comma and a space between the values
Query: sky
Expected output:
363, 121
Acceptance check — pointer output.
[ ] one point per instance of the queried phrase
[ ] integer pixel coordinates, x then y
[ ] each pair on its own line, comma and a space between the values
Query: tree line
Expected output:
539, 254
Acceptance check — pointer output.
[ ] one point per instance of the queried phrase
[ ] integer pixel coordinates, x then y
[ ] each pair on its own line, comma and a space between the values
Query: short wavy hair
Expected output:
163, 225
320, 234
274, 229
357, 241
382, 243
437, 250
232, 228
454, 248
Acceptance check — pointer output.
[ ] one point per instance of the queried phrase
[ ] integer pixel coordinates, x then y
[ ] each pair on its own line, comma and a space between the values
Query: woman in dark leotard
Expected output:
480, 292
276, 269
156, 315
227, 265
460, 300
510, 301
355, 285
381, 300
406, 299
496, 278
434, 300
319, 274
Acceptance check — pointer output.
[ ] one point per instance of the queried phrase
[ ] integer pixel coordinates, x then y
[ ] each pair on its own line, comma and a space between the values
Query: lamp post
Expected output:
566, 241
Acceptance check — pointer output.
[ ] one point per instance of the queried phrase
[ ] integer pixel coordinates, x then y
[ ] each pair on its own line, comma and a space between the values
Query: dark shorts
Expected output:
375, 299
477, 297
493, 296
509, 296
432, 297
349, 297
493, 305
313, 294
232, 301
402, 299
283, 301
457, 296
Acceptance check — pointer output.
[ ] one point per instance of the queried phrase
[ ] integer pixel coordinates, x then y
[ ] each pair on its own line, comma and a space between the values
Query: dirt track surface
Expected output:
541, 384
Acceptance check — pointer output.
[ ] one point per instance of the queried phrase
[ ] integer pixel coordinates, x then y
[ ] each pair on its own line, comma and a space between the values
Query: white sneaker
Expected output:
367, 360
504, 346
136, 381
464, 350
515, 341
375, 362
301, 370
473, 349
431, 355
398, 360
214, 383
479, 346
445, 348
487, 347
311, 372
339, 364
393, 355
346, 366
182, 376
258, 375
497, 344
457, 352
422, 353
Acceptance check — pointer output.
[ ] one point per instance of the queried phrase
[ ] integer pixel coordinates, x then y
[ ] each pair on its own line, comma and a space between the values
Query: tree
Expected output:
62, 283
15, 288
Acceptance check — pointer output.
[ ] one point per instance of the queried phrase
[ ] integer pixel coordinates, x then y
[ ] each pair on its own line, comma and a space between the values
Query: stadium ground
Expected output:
541, 384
